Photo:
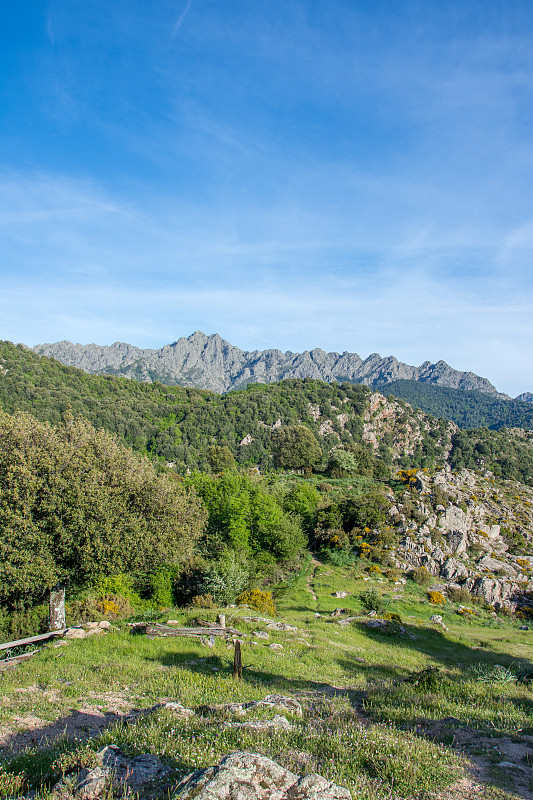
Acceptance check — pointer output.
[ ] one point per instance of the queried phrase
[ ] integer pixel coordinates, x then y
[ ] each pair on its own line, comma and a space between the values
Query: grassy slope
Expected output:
363, 725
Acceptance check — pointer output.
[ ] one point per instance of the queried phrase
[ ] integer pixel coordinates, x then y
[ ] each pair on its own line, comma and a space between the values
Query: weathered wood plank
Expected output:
40, 638
167, 630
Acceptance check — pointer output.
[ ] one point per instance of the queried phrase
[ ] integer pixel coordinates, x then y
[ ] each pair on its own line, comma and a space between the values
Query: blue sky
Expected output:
352, 174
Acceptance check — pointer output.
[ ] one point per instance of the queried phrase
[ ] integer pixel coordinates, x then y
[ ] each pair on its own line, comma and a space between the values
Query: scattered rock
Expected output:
114, 769
340, 594
133, 773
250, 776
282, 626
275, 646
75, 633
278, 722
261, 634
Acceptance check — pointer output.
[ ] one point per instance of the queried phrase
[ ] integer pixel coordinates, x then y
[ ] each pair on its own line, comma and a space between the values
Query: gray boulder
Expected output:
455, 519
250, 776
496, 592
457, 541
494, 565
128, 775
453, 570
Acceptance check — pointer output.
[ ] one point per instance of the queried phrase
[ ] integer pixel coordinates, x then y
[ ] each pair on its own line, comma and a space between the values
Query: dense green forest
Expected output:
468, 409
175, 425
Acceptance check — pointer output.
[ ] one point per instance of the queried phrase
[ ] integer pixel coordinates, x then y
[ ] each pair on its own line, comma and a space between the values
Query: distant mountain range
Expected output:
210, 362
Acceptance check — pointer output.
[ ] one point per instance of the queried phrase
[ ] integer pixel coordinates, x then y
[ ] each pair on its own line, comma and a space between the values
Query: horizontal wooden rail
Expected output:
40, 638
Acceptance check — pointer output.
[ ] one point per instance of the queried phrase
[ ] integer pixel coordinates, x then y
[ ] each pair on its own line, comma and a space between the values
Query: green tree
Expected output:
74, 504
295, 447
220, 458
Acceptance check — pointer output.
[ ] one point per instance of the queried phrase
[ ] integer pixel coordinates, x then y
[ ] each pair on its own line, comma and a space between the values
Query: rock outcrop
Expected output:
250, 776
459, 528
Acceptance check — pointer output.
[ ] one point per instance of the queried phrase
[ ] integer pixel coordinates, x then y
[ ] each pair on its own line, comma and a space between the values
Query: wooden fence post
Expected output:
237, 662
57, 609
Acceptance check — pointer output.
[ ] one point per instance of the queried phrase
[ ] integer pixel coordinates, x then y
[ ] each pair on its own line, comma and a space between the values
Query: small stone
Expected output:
104, 624
91, 625
340, 594
436, 618
278, 722
261, 634
282, 626
275, 646
75, 633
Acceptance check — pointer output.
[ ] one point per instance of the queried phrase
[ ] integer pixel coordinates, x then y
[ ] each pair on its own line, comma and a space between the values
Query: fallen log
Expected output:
40, 638
166, 630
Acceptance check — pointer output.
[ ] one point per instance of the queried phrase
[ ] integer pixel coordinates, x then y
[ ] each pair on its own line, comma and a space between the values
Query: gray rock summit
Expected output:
210, 362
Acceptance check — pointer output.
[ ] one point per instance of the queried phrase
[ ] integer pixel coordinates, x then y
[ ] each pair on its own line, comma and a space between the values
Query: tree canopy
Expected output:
74, 504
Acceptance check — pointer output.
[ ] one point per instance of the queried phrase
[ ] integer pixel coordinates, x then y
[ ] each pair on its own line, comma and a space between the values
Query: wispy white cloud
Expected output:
181, 19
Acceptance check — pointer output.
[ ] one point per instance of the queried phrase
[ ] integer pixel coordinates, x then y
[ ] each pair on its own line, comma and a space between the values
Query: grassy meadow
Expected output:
403, 711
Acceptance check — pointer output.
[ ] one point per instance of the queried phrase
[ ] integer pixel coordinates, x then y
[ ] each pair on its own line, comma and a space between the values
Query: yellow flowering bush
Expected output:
258, 599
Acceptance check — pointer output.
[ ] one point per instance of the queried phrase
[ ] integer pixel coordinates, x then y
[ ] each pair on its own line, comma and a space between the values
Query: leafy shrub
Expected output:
226, 578
340, 558
393, 574
421, 576
161, 585
329, 538
429, 678
24, 622
391, 616
458, 595
341, 464
374, 569
259, 600
118, 584
203, 601
436, 598
371, 600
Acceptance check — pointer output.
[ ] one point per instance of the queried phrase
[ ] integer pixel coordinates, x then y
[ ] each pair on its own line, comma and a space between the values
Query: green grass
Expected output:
365, 717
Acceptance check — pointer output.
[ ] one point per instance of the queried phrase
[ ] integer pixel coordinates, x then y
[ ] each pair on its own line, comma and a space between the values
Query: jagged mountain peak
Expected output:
210, 362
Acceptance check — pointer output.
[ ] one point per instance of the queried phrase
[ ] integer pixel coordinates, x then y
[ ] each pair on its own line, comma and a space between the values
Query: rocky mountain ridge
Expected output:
210, 362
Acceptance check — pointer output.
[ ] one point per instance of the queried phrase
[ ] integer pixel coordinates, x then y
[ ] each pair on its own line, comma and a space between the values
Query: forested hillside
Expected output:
175, 425
467, 408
